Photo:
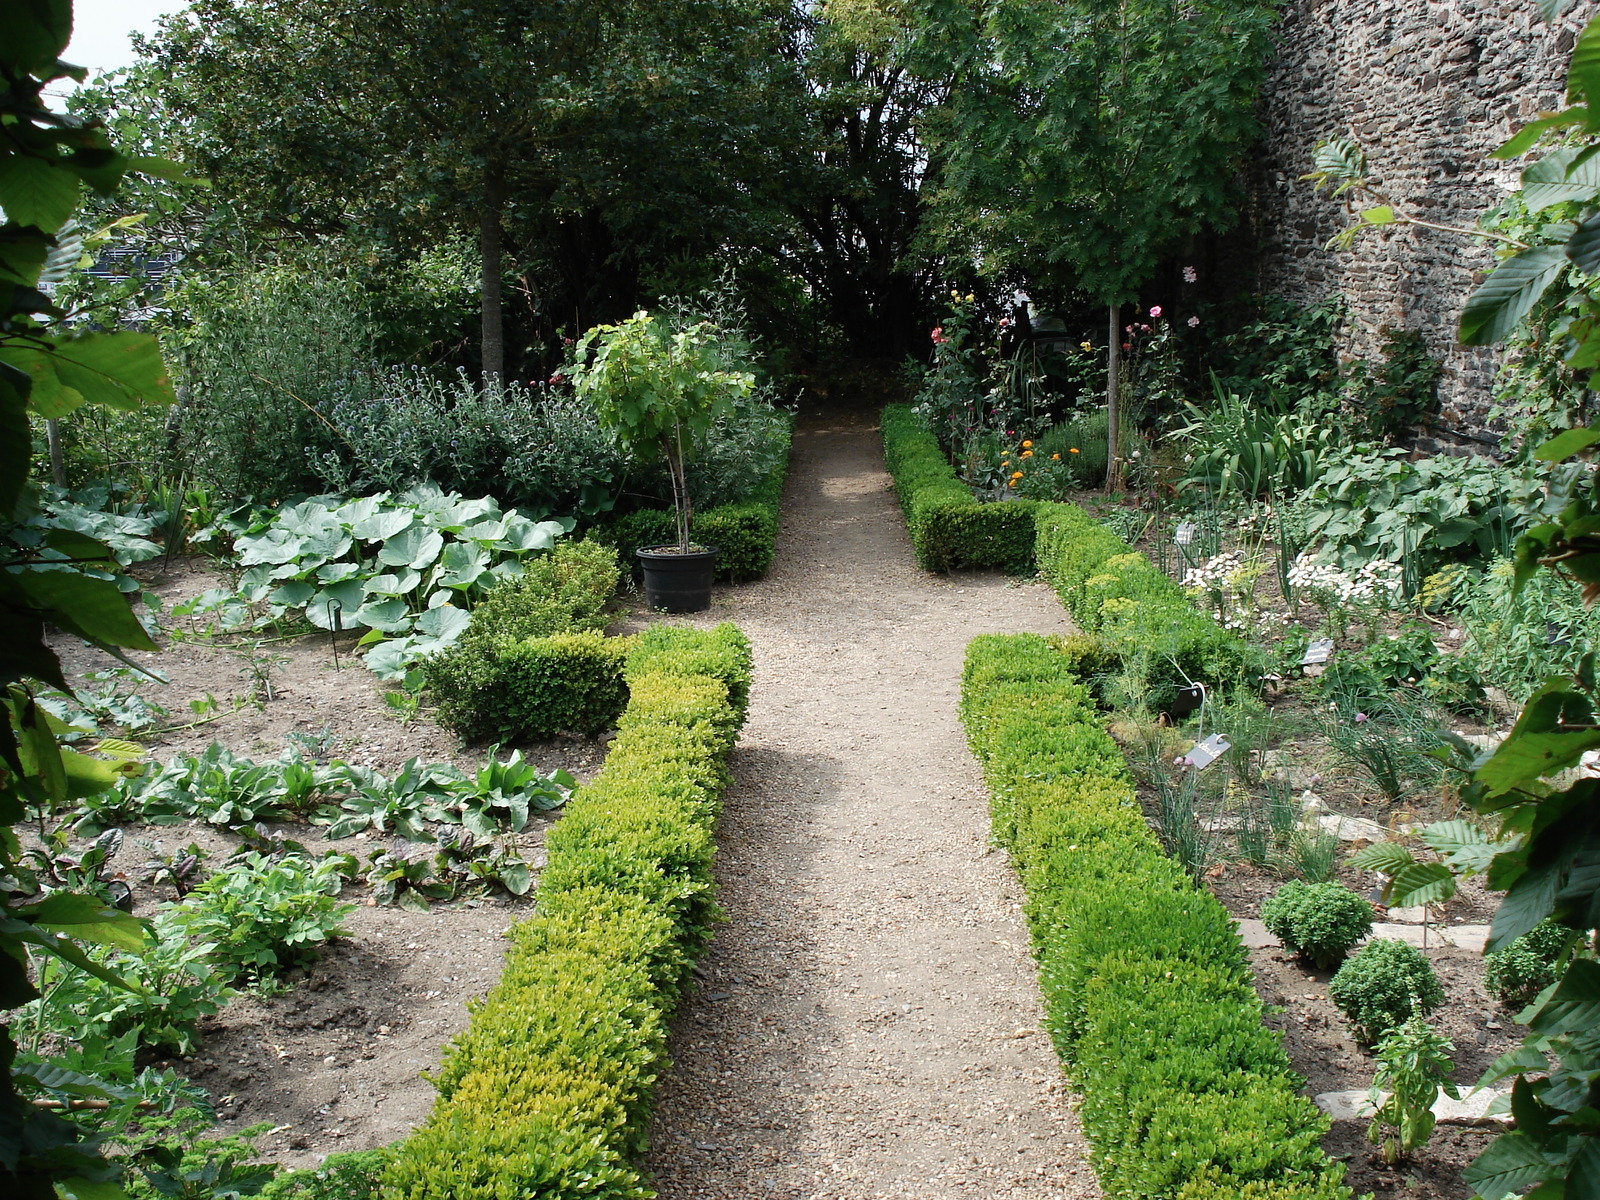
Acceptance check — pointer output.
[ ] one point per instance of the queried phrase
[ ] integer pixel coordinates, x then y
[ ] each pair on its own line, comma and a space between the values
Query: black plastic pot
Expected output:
678, 583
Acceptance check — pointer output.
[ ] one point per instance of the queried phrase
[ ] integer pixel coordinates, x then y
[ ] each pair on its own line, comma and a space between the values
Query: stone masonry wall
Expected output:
1428, 88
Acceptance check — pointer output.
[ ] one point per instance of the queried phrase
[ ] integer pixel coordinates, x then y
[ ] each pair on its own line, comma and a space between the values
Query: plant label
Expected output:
1207, 752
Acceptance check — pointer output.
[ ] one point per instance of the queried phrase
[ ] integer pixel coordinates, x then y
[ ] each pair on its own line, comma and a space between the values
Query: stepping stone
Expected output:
1468, 937
1254, 934
1412, 935
1471, 1109
1350, 829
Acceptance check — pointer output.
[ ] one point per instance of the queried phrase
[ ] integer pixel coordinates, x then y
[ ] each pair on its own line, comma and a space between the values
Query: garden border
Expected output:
1186, 1093
949, 527
548, 1090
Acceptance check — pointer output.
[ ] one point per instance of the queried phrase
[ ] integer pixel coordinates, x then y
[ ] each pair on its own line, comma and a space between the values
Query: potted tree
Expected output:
656, 387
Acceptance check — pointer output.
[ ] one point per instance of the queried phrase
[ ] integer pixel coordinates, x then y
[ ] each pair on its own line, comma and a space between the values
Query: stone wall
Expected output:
1428, 88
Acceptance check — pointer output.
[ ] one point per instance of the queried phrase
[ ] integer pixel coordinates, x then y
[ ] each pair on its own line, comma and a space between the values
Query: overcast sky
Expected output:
100, 30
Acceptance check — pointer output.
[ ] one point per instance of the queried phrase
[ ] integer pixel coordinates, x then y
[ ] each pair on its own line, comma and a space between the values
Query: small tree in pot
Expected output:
656, 388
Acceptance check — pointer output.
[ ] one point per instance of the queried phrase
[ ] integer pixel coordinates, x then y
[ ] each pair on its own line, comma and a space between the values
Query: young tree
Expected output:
1085, 140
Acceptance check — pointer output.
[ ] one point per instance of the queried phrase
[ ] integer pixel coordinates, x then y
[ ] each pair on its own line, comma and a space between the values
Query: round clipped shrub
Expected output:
1531, 963
1383, 985
1318, 921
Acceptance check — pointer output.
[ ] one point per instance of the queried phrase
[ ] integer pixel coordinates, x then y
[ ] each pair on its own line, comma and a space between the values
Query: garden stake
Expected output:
333, 640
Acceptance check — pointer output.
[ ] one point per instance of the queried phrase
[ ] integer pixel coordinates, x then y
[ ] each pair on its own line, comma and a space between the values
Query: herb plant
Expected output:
1413, 1068
1321, 922
1383, 985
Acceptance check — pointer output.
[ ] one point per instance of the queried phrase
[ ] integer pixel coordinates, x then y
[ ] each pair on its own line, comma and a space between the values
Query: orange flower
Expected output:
1027, 445
1016, 475
1005, 462
1027, 454
1074, 450
1055, 458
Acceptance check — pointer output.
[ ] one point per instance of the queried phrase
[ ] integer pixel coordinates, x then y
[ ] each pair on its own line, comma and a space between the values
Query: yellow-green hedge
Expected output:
949, 527
1147, 989
547, 1092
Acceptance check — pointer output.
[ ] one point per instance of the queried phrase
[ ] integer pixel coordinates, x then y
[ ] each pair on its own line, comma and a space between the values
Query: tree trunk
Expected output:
492, 248
58, 462
1113, 402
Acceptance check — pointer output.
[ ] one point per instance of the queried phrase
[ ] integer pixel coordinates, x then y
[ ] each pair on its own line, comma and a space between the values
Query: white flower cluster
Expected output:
1215, 573
1376, 582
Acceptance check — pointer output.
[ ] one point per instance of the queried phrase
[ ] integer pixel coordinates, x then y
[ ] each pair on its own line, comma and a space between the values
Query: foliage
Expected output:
1384, 984
1145, 620
1286, 359
352, 1176
1254, 451
268, 355
533, 447
1414, 1066
1071, 102
177, 984
1321, 922
949, 528
1379, 504
548, 1089
406, 569
533, 688
262, 915
1394, 745
563, 591
1517, 974
1521, 636
1082, 439
1184, 1092
1463, 850
1401, 392
48, 371
657, 390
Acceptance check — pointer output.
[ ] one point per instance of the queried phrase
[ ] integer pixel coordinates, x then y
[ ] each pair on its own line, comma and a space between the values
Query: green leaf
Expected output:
1583, 74
1583, 247
1564, 445
35, 191
79, 1188
1549, 737
445, 622
517, 878
88, 919
416, 547
1511, 1163
1509, 294
94, 609
1575, 1004
1389, 858
1528, 136
1422, 883
120, 370
1381, 214
16, 444
47, 395
335, 606
36, 34
1555, 179
390, 616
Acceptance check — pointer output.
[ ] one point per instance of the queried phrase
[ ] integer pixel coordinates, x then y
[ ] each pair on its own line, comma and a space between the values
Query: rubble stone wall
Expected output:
1428, 88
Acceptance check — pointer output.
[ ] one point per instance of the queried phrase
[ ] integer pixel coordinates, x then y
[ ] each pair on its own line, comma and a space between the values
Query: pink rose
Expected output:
1155, 311
1193, 322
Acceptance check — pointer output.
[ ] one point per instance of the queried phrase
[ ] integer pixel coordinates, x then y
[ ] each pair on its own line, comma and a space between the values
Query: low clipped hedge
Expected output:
1133, 609
494, 689
949, 527
1147, 988
547, 1092
745, 534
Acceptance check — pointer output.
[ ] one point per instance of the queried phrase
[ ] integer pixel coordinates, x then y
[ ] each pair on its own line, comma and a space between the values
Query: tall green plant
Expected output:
657, 389
1065, 159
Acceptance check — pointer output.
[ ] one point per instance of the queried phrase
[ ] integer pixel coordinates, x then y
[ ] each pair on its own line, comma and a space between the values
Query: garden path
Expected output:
867, 1023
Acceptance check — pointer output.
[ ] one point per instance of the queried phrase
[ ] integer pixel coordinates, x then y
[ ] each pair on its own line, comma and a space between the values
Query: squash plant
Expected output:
657, 389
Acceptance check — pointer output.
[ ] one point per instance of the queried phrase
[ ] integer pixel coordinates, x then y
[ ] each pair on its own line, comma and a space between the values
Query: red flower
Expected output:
1127, 345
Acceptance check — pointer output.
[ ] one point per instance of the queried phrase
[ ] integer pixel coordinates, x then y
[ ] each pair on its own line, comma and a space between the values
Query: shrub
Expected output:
533, 688
1384, 984
352, 1176
1531, 963
949, 528
1184, 1092
1320, 922
547, 1092
562, 592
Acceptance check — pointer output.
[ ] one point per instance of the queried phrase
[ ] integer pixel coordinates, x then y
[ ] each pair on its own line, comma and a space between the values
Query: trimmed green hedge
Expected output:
1147, 989
547, 1092
949, 527
1133, 609
745, 534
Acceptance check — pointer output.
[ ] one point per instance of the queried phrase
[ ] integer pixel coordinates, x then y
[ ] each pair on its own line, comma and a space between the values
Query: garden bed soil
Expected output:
335, 1062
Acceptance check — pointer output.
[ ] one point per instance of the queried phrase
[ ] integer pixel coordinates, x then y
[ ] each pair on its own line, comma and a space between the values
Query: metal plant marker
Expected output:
1316, 657
1207, 752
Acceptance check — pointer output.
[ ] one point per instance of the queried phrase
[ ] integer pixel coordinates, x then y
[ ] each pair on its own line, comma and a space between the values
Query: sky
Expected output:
100, 30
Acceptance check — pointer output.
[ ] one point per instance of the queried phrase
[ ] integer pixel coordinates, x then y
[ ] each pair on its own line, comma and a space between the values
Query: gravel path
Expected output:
867, 1023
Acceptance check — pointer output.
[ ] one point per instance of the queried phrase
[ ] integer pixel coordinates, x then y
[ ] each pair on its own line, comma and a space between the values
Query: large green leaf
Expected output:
1422, 883
1511, 1163
445, 623
35, 191
1509, 294
36, 33
1554, 179
16, 444
1389, 858
1583, 247
1575, 1004
335, 607
416, 547
120, 370
47, 394
1583, 75
391, 616
89, 919
381, 526
1551, 735
91, 608
1564, 445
